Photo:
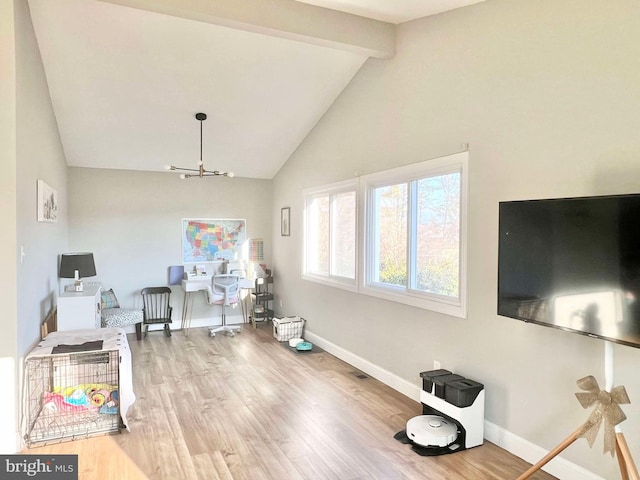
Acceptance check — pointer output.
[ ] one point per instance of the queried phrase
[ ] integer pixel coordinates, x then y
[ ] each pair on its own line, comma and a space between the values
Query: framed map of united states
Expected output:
212, 240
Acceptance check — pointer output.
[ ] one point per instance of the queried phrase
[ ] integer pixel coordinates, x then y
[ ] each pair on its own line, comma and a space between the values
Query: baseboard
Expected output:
558, 467
195, 323
211, 321
518, 446
401, 385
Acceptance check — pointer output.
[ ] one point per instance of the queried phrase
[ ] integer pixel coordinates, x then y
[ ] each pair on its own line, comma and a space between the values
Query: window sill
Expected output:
350, 286
448, 307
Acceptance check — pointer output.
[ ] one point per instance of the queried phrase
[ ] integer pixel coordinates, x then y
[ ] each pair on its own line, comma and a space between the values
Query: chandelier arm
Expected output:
201, 171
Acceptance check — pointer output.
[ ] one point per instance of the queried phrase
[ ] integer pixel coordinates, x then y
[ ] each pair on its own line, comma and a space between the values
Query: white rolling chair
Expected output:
224, 291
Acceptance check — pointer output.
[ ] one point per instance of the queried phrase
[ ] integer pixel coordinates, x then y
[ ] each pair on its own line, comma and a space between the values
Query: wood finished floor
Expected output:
245, 407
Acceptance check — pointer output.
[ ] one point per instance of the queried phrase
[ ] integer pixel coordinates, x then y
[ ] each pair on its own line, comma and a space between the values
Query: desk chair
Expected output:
224, 291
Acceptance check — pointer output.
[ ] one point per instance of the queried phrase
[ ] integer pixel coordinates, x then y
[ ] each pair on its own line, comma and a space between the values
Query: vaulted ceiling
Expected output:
126, 77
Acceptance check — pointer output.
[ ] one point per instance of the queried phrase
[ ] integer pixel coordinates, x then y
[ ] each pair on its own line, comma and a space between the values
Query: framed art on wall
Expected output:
47, 203
212, 240
285, 221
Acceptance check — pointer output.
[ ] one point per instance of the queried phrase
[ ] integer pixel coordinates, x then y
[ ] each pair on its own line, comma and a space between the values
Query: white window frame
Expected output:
440, 166
332, 189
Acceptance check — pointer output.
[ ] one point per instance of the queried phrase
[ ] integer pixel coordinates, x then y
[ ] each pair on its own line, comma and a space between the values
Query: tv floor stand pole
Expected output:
625, 461
628, 470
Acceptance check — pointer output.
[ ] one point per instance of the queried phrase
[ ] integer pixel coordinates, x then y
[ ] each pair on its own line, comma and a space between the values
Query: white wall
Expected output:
31, 150
8, 288
547, 94
132, 223
40, 156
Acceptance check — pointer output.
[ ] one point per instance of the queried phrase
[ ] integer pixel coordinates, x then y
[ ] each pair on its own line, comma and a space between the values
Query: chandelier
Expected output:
200, 171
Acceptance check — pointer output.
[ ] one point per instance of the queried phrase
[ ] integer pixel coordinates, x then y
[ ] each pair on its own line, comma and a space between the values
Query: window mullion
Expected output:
412, 228
374, 239
311, 226
332, 265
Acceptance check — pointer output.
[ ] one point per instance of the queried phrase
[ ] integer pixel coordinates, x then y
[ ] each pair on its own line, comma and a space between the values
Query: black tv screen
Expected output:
572, 264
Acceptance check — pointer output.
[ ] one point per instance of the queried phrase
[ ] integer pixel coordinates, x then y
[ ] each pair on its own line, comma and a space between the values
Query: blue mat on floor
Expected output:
315, 349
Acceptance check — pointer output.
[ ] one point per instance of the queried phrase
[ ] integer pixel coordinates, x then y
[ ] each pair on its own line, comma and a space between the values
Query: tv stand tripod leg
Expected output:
553, 453
628, 468
624, 475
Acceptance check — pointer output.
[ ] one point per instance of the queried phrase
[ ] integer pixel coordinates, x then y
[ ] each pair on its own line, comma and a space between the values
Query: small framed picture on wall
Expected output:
285, 221
47, 202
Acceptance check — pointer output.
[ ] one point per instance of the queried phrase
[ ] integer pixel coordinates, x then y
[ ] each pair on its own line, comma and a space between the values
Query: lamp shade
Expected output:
82, 262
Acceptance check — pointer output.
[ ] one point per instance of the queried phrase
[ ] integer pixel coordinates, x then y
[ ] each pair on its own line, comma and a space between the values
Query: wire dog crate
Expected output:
71, 395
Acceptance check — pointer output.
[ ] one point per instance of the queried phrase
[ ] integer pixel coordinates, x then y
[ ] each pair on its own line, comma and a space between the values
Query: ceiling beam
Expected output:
283, 18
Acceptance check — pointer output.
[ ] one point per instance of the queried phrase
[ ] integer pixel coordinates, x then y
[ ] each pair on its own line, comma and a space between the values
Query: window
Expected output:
331, 235
413, 234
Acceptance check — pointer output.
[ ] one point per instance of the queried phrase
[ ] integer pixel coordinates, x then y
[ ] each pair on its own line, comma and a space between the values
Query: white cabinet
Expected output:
78, 310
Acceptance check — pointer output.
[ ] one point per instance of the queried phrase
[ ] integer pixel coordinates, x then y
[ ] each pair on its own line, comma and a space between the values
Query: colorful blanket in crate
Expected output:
98, 397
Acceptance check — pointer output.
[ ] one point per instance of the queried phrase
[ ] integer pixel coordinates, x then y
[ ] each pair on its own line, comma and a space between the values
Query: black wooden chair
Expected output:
156, 308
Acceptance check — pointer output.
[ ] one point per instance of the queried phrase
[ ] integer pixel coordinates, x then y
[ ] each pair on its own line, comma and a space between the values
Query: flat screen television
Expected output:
572, 264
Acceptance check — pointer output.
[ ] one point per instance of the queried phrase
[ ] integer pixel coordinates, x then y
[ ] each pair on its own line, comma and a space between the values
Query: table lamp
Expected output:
77, 266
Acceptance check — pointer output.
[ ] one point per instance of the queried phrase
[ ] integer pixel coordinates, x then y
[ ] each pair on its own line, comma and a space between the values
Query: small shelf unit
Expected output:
262, 300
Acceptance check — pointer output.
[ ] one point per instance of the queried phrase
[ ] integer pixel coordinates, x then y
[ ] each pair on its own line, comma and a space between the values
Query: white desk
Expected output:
197, 284
191, 285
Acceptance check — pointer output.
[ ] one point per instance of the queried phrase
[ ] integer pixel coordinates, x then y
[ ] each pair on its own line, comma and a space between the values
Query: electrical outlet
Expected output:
436, 365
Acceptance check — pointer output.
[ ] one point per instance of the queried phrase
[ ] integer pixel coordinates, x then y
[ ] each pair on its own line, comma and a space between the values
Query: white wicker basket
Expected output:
287, 327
